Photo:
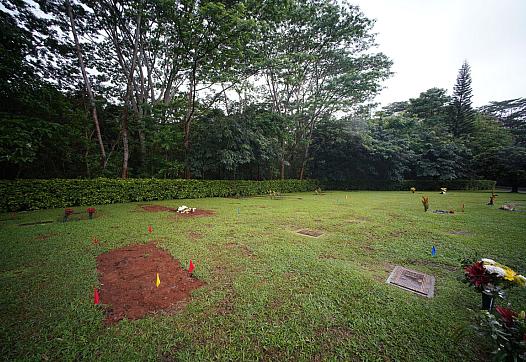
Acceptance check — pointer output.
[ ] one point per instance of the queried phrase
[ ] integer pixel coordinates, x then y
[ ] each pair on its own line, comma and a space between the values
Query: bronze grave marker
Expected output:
413, 281
309, 232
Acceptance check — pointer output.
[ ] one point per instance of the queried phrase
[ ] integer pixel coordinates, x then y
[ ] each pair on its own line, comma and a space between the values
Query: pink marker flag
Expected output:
191, 267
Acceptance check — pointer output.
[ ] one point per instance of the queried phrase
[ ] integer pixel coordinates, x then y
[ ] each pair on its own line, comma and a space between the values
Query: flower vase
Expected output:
488, 302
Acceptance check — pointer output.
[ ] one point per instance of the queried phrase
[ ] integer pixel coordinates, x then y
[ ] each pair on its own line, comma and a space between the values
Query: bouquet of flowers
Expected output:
490, 277
91, 211
67, 213
185, 209
506, 331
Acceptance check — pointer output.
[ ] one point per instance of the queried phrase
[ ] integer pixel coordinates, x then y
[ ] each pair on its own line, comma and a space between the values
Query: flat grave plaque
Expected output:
309, 232
413, 281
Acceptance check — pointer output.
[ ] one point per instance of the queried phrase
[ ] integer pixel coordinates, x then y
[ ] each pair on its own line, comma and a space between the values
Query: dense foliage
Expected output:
44, 194
229, 90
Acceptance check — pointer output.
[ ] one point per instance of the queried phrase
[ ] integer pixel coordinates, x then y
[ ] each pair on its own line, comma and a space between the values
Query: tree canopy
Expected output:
228, 89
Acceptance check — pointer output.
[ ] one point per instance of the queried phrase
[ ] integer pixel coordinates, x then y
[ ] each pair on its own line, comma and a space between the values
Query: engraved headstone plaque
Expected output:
309, 232
413, 281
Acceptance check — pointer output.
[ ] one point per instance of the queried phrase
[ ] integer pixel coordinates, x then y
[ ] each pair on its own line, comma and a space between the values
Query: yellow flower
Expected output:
510, 274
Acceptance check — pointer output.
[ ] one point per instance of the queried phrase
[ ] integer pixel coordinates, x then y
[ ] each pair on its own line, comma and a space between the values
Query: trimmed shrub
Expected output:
405, 185
59, 193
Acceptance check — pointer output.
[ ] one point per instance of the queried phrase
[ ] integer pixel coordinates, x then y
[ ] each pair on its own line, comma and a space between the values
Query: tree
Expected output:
432, 106
87, 84
505, 164
512, 115
317, 63
462, 113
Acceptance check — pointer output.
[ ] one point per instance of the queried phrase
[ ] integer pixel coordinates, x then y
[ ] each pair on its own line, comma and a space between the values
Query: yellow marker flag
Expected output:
157, 281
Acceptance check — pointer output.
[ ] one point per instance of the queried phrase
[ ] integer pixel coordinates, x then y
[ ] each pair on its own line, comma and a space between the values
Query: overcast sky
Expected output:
428, 40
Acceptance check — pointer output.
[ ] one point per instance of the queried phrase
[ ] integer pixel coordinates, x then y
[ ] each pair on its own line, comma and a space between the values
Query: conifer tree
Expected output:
462, 113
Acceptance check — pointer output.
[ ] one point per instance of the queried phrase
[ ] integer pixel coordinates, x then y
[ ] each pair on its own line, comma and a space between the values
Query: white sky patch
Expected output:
429, 40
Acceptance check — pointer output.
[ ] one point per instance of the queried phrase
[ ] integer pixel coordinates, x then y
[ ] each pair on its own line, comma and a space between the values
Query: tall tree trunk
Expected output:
125, 149
188, 120
282, 166
88, 86
127, 100
306, 152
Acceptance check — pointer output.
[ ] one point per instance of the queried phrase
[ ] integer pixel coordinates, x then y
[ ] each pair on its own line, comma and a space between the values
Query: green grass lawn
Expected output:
270, 293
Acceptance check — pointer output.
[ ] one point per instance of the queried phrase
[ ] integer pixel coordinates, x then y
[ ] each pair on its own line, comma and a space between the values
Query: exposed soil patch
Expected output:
128, 276
196, 213
433, 264
157, 208
45, 236
194, 235
36, 223
459, 232
358, 220
310, 232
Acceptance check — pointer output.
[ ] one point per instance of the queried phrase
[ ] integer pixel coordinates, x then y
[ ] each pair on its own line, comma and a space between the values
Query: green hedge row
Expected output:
58, 193
421, 185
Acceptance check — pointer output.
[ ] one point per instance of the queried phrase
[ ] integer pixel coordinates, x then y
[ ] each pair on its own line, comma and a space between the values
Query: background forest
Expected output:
230, 90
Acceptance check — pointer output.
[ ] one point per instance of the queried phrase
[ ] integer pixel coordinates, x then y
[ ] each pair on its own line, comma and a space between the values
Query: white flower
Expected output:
488, 261
492, 269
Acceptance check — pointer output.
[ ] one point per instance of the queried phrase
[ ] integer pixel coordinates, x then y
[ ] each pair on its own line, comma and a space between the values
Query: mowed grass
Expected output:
270, 293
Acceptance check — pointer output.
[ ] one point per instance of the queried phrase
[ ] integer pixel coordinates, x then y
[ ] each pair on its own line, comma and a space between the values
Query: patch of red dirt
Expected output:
45, 236
156, 208
128, 276
197, 212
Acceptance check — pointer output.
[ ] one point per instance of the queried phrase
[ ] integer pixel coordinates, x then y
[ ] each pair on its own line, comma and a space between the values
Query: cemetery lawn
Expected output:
269, 292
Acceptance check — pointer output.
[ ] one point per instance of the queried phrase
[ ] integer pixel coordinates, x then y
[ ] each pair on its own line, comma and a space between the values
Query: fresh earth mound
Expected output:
159, 208
128, 277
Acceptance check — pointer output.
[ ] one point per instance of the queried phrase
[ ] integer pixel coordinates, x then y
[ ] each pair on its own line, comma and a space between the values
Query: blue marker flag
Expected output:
433, 251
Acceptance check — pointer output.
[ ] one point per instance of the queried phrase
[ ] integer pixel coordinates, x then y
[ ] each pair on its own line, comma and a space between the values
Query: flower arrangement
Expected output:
412, 189
273, 194
91, 211
507, 332
490, 277
425, 202
492, 199
67, 213
185, 209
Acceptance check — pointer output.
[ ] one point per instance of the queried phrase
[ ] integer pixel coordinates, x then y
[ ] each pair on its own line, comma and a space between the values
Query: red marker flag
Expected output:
96, 296
191, 267
150, 229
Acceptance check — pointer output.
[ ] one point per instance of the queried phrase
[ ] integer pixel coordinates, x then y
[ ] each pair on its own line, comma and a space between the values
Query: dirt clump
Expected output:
128, 275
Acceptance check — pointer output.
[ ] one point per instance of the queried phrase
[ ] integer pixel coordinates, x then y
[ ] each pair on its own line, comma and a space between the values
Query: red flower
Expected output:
90, 210
68, 212
506, 315
477, 274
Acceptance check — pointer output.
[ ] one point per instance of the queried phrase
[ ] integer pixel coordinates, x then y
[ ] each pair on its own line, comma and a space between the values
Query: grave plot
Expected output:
412, 281
194, 213
310, 232
141, 279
